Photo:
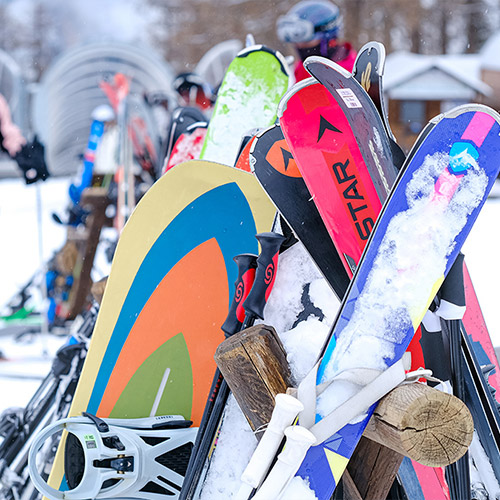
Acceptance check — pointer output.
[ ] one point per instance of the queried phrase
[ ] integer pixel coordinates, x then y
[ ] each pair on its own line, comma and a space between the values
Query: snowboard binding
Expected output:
144, 458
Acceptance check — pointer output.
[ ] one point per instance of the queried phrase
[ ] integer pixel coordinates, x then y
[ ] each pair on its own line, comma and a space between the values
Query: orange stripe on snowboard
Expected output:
165, 316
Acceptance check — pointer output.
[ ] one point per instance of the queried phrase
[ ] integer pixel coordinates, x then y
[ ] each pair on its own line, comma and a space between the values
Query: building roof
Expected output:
434, 77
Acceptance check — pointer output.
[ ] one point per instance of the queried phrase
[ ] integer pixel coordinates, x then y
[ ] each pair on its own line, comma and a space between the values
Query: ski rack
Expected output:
144, 458
393, 432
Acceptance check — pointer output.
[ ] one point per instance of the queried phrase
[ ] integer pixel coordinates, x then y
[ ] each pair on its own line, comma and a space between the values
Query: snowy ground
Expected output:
19, 258
30, 359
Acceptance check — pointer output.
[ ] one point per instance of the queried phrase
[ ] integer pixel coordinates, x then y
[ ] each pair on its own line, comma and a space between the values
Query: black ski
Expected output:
275, 168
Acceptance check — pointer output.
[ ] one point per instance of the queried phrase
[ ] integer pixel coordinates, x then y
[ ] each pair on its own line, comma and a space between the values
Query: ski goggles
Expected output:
294, 29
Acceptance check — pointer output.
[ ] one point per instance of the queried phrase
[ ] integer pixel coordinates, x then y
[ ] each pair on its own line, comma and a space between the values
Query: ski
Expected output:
95, 135
349, 168
276, 170
368, 70
188, 145
248, 98
184, 122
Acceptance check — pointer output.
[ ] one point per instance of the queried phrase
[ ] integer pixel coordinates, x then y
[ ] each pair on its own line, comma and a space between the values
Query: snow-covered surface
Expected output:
29, 360
20, 258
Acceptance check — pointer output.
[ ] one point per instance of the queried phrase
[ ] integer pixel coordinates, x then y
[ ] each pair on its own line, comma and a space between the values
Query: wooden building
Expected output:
419, 87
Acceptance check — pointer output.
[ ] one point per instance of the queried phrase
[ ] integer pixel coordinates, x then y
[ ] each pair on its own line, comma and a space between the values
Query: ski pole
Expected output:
285, 411
254, 308
452, 295
247, 263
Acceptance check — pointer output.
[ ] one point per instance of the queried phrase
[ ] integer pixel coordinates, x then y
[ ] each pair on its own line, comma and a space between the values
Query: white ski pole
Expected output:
298, 442
285, 411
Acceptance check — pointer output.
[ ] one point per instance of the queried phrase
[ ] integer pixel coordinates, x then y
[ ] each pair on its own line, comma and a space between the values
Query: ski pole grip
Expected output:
267, 263
298, 441
247, 263
286, 409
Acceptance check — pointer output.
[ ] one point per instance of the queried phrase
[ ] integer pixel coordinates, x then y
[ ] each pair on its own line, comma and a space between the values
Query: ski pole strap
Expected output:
285, 411
381, 383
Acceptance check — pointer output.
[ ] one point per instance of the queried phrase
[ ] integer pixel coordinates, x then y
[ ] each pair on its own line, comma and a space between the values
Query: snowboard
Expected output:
417, 237
276, 170
248, 98
168, 293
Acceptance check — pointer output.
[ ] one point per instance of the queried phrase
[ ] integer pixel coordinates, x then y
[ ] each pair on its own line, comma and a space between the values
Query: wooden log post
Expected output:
413, 420
254, 365
427, 425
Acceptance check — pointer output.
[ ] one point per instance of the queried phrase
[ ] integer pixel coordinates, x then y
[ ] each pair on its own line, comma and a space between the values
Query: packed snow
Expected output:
28, 359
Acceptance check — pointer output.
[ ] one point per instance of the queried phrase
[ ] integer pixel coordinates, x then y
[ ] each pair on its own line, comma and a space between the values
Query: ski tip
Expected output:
285, 68
312, 61
465, 108
291, 91
368, 47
